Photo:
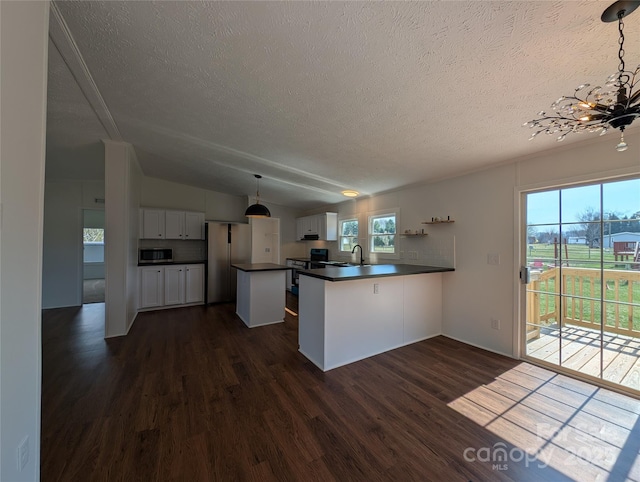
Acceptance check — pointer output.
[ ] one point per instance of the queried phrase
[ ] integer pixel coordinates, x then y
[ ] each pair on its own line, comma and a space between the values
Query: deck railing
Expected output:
577, 292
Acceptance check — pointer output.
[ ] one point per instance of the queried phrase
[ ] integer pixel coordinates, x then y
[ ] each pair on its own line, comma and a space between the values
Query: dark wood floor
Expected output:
191, 394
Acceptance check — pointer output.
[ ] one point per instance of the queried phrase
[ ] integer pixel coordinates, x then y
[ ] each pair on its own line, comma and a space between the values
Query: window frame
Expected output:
355, 239
371, 235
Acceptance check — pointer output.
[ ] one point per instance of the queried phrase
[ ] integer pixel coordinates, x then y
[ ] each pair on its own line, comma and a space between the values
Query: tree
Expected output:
350, 228
590, 219
634, 223
91, 235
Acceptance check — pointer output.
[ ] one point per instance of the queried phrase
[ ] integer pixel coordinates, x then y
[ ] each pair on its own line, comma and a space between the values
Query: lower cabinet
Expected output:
194, 283
171, 285
151, 286
174, 285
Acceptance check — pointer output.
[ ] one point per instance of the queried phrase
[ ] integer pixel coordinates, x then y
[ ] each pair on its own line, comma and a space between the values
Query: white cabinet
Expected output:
174, 224
169, 224
193, 225
151, 287
170, 285
174, 285
194, 283
318, 226
152, 224
265, 240
184, 225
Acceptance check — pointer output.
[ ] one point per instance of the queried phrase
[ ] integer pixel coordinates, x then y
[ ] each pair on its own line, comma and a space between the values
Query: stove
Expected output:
316, 256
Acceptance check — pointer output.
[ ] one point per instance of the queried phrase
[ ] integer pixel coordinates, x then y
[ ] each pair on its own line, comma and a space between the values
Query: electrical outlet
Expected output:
495, 323
23, 453
376, 289
267, 250
493, 258
401, 254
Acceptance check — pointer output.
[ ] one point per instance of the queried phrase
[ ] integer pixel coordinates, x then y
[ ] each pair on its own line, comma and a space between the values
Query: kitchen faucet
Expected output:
361, 257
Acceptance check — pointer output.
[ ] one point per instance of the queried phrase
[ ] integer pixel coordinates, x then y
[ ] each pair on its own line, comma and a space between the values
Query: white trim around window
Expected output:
348, 234
382, 233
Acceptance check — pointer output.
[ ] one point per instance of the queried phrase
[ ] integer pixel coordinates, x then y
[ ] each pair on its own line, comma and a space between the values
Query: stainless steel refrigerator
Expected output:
227, 244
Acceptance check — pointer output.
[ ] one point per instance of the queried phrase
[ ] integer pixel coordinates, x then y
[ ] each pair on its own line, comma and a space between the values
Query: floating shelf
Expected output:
413, 235
439, 222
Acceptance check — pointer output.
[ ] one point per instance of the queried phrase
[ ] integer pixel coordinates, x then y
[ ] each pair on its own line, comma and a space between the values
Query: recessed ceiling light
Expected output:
350, 193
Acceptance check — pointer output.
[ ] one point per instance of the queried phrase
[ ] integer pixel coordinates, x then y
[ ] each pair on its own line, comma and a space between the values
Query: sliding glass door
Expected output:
583, 292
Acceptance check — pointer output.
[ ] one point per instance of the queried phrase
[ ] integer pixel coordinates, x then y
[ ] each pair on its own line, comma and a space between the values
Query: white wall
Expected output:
62, 245
62, 271
123, 179
23, 81
485, 206
216, 206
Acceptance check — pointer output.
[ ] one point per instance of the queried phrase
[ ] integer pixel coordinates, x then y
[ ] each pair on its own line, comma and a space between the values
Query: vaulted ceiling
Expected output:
317, 96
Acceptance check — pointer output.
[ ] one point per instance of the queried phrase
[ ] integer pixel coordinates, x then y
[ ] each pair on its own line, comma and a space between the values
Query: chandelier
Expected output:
601, 108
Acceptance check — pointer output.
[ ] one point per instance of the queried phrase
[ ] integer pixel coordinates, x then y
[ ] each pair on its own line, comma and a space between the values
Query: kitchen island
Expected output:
351, 313
261, 293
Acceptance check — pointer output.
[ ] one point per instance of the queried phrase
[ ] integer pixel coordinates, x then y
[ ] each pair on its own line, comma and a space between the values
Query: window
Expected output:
348, 234
382, 230
93, 241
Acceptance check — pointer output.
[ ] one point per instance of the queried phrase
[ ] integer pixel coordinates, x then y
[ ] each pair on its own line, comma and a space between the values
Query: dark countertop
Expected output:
300, 259
332, 273
260, 267
170, 263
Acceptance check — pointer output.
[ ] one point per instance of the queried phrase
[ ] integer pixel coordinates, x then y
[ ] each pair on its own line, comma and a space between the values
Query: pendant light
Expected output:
257, 210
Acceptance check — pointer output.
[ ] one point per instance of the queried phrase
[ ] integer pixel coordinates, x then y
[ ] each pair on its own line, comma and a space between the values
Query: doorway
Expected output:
93, 256
582, 298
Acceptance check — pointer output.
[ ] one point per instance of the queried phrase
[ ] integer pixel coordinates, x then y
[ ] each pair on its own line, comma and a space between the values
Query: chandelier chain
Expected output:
621, 42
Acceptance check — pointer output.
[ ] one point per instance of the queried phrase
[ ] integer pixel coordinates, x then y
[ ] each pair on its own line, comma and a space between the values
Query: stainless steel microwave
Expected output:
155, 255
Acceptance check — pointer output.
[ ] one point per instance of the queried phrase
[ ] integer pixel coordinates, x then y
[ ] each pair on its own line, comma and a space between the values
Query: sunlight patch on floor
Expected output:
581, 431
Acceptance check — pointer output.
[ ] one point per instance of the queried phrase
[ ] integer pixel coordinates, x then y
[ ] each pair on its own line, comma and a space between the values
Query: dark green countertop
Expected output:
332, 273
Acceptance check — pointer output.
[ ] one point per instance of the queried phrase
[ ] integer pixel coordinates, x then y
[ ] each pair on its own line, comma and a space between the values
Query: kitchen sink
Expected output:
337, 264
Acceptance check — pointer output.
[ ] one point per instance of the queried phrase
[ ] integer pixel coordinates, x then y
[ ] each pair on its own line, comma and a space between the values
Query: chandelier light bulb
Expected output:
622, 146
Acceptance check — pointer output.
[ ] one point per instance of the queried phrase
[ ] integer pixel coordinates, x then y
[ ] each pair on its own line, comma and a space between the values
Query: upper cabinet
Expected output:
152, 224
318, 226
161, 224
193, 225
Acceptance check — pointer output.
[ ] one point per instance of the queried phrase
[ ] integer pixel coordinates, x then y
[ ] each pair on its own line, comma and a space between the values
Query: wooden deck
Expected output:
581, 352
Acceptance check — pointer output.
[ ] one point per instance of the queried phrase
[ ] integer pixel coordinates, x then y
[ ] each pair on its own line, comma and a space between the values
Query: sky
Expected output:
620, 197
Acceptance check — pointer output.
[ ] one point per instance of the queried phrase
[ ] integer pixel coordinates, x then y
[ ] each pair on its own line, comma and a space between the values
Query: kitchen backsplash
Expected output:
439, 250
182, 250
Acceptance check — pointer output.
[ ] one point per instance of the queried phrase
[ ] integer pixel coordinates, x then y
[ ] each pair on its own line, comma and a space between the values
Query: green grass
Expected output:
594, 290
575, 255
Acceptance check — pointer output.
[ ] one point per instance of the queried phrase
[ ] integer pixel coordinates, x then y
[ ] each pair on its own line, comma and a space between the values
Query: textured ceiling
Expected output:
319, 96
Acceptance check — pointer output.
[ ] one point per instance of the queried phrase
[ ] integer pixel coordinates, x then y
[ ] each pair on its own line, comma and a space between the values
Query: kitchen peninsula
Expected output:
261, 293
351, 313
